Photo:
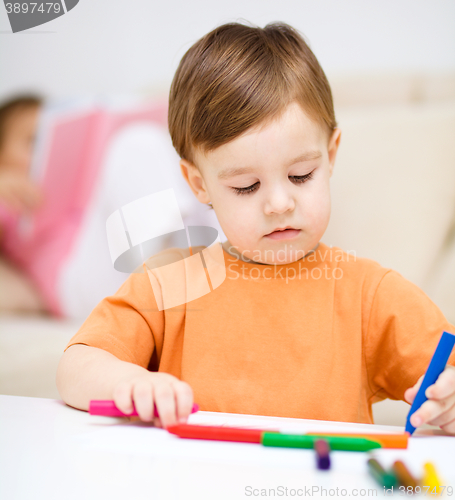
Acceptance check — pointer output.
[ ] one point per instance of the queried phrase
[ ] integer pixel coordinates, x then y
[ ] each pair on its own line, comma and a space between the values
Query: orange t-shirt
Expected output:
321, 338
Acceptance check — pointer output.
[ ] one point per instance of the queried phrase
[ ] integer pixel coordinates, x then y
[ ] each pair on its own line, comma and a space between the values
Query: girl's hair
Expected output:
13, 105
237, 77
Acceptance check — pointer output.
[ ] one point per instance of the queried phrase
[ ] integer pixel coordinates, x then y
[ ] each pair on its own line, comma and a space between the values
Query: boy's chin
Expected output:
281, 254
276, 257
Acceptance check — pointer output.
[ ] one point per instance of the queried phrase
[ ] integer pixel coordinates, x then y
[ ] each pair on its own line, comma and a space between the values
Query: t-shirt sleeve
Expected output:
403, 330
127, 324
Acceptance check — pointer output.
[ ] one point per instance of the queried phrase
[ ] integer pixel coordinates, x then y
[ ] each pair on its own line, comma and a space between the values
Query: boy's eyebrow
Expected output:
233, 171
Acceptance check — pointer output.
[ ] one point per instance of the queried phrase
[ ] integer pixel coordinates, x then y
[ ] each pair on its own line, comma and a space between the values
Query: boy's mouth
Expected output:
284, 233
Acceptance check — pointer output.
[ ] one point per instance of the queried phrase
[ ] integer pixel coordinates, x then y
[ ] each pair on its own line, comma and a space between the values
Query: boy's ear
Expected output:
195, 180
334, 142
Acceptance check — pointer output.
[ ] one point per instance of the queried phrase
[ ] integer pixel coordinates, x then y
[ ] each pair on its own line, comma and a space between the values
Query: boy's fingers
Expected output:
123, 397
410, 393
444, 386
143, 400
157, 422
184, 400
445, 417
449, 427
165, 403
431, 410
418, 383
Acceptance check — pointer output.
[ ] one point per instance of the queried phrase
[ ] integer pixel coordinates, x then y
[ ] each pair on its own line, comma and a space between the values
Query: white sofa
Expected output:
393, 200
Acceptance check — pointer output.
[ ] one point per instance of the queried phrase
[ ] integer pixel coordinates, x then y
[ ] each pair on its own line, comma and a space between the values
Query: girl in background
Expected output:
139, 160
18, 196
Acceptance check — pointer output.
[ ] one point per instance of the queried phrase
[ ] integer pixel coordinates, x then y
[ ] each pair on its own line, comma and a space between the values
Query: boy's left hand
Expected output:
440, 408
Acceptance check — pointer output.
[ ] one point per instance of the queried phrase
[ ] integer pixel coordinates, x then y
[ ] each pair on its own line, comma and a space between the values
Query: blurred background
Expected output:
391, 65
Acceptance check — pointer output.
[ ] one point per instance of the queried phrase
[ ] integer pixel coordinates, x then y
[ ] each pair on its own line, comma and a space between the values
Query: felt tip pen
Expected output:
336, 443
383, 478
405, 478
107, 408
431, 478
216, 433
435, 368
322, 449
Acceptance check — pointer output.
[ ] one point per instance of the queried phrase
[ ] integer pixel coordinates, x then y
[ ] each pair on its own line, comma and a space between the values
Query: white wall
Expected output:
132, 45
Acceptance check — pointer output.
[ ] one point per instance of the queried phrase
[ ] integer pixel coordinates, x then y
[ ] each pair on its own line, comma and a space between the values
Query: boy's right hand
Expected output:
18, 192
172, 397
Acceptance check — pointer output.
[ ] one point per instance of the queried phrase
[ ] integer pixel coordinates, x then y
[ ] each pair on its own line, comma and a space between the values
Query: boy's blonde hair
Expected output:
237, 77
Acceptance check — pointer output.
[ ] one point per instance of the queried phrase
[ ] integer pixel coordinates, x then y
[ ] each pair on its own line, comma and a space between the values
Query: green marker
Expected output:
303, 441
385, 479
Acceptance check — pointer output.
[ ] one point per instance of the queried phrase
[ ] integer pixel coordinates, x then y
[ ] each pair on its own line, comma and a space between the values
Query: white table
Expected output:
50, 451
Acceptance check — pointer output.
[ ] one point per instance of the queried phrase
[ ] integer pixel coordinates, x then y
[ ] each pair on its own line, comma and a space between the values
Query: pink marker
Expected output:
107, 408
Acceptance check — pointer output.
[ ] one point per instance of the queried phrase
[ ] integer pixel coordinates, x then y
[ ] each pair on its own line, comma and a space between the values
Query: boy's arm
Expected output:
109, 356
404, 328
85, 373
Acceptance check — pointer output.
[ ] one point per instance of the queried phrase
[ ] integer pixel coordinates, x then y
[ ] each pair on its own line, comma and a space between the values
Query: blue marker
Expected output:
437, 364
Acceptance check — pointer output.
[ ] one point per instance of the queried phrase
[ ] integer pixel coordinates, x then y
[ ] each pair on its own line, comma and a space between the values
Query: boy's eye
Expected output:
298, 179
301, 178
246, 190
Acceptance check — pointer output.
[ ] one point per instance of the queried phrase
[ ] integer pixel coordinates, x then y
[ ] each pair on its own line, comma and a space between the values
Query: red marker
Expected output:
107, 408
237, 434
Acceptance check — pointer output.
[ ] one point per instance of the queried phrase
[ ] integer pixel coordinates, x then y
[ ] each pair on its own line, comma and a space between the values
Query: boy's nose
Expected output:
279, 201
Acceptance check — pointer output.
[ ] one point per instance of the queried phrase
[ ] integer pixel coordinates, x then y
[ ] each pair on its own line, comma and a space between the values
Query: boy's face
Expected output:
271, 177
17, 145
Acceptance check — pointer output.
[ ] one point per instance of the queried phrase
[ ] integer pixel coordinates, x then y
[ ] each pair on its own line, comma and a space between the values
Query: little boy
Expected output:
296, 329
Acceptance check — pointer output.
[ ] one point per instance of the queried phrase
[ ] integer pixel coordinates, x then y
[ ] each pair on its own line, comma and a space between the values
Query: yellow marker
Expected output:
431, 479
